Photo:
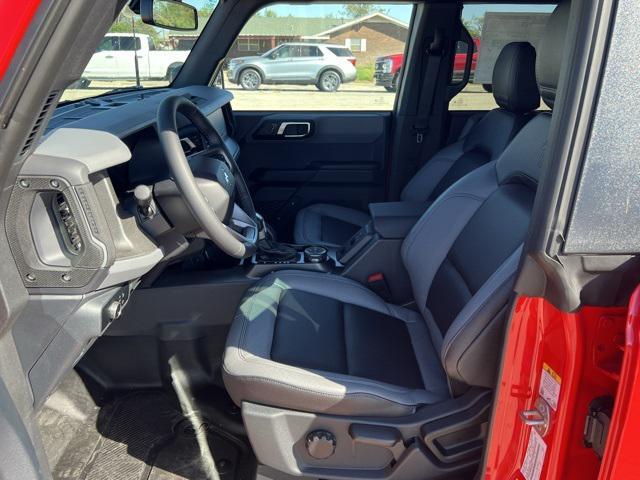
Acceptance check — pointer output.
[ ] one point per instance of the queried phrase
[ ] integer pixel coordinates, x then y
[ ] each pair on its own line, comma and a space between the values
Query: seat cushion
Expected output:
323, 343
329, 225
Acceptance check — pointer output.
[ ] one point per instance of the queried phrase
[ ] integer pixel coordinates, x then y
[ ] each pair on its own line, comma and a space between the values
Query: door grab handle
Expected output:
283, 126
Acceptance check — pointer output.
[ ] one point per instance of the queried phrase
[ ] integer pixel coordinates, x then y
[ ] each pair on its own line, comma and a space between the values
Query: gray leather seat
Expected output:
322, 343
514, 90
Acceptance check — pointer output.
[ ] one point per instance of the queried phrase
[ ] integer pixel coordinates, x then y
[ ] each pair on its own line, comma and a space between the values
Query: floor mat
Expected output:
139, 435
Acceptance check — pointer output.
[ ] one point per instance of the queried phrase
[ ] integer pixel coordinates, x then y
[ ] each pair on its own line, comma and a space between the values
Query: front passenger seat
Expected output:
516, 93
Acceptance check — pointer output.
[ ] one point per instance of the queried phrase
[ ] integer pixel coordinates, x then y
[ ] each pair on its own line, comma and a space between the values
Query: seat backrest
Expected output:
516, 93
463, 254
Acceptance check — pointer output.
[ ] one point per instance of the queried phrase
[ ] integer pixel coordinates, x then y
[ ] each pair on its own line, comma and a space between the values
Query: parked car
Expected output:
325, 66
388, 68
116, 55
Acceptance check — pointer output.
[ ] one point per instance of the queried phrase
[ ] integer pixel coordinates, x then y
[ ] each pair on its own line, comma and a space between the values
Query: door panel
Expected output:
341, 161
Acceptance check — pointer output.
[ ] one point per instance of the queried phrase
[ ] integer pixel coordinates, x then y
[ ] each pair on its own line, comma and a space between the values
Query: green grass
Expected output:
364, 73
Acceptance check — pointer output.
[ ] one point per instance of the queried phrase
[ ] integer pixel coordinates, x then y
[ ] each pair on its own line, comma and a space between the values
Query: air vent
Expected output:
39, 121
68, 224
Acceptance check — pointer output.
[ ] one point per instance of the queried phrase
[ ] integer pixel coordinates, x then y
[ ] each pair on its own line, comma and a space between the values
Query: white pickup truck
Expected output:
115, 58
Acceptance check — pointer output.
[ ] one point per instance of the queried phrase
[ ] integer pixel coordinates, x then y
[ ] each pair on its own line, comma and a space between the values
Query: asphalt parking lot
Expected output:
351, 96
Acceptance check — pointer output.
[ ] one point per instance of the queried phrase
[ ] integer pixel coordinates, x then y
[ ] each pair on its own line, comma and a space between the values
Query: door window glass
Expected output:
492, 26
127, 43
108, 44
343, 57
283, 52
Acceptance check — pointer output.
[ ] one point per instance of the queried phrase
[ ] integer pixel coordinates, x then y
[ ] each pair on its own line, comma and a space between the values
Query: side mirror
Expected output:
169, 14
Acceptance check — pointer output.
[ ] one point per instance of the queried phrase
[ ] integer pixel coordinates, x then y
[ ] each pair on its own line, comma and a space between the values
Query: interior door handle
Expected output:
294, 129
108, 56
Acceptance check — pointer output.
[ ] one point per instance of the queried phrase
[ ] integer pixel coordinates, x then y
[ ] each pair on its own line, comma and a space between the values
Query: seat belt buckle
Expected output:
420, 131
377, 283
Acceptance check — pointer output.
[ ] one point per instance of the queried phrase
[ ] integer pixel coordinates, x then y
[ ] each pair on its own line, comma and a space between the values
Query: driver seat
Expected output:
324, 344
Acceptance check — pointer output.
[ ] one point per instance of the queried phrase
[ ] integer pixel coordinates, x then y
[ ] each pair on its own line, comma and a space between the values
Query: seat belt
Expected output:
427, 93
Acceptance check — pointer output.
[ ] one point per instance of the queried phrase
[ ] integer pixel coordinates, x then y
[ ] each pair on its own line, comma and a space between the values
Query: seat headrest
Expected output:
514, 79
550, 52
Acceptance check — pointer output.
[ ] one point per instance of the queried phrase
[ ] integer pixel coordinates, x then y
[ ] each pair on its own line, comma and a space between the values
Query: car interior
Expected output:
210, 293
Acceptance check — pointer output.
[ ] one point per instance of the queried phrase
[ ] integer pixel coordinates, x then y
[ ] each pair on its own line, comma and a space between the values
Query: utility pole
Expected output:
135, 51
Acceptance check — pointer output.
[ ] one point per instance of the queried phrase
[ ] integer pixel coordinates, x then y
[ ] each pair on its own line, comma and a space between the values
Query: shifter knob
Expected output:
144, 196
315, 254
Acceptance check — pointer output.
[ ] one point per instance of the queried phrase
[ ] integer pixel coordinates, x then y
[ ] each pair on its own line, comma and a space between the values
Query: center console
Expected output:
375, 248
279, 256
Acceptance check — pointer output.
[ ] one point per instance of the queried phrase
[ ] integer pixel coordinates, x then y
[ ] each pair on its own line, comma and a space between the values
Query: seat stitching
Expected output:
252, 378
257, 359
256, 289
448, 345
242, 354
350, 283
431, 212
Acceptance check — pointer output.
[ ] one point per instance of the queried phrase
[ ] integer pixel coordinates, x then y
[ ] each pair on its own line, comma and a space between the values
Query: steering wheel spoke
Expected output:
242, 226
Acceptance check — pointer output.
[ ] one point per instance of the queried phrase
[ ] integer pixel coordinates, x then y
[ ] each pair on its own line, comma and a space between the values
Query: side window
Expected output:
286, 51
309, 51
357, 44
108, 44
319, 56
492, 26
130, 43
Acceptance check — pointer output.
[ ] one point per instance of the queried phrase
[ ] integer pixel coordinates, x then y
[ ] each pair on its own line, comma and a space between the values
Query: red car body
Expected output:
388, 67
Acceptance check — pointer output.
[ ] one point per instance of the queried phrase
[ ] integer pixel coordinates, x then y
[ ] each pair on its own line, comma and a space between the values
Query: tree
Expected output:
474, 25
268, 12
207, 9
356, 10
127, 20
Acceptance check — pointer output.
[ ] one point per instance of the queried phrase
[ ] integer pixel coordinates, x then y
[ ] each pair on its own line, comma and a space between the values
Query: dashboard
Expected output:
73, 231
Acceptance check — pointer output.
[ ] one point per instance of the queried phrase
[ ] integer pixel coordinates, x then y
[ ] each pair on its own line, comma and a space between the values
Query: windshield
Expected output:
136, 55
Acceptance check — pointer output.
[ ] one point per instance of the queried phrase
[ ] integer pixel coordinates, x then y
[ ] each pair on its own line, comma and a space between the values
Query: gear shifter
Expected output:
262, 227
271, 251
268, 249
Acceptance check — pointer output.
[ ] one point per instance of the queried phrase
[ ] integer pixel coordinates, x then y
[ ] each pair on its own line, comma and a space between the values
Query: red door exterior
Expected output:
585, 351
17, 16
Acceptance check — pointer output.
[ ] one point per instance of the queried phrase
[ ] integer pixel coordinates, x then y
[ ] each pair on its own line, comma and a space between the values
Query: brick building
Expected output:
368, 37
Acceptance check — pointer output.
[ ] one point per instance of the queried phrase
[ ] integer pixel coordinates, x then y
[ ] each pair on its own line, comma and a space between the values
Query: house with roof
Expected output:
368, 37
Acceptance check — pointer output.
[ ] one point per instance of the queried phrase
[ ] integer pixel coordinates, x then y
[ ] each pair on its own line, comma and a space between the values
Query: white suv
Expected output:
325, 66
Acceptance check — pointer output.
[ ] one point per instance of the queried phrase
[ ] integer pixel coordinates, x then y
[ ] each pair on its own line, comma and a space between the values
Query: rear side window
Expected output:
318, 56
108, 44
130, 43
491, 27
341, 52
307, 51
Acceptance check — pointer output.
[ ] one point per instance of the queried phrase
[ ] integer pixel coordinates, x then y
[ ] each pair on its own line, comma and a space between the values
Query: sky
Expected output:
401, 12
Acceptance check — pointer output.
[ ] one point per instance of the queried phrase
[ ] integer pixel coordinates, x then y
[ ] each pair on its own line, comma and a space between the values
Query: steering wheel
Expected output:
210, 198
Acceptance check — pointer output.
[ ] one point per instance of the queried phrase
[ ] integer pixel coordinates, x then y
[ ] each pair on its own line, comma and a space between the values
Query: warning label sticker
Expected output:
534, 458
550, 386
